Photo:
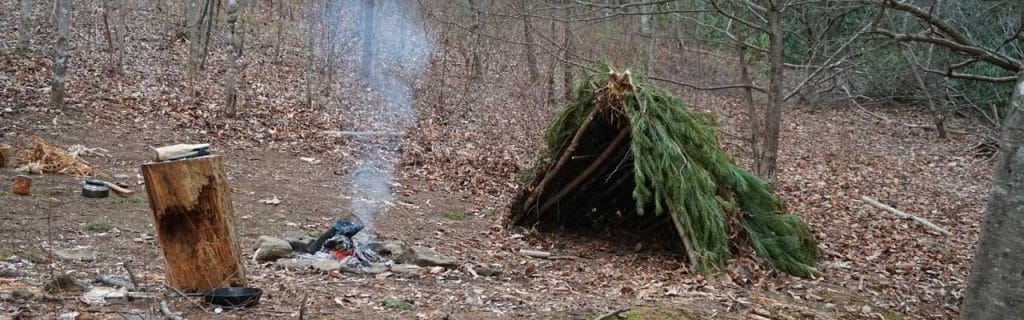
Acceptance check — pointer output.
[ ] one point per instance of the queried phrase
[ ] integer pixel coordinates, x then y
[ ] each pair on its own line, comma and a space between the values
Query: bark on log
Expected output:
194, 222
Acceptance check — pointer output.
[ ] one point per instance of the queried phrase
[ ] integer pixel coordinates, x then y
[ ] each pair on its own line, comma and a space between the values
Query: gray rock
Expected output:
23, 294
390, 248
488, 271
372, 268
299, 240
405, 269
294, 263
141, 317
9, 273
84, 255
328, 265
63, 283
270, 249
424, 257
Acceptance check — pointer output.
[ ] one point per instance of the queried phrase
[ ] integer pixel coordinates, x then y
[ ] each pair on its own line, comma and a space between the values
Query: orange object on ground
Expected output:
341, 255
22, 185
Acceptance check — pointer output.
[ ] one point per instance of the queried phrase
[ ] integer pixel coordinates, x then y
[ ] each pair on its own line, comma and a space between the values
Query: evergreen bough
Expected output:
679, 169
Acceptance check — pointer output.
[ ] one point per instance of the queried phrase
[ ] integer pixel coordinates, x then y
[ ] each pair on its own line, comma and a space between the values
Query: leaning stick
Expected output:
905, 215
612, 147
566, 154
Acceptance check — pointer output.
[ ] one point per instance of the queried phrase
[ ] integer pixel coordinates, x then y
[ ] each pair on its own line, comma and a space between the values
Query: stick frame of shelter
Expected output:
673, 165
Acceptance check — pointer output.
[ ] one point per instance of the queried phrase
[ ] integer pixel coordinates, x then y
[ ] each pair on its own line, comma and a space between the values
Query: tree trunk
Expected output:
773, 117
568, 51
278, 28
550, 76
114, 27
995, 289
647, 35
937, 119
369, 35
531, 54
25, 25
231, 76
199, 25
60, 57
194, 219
478, 67
207, 28
194, 15
753, 113
310, 56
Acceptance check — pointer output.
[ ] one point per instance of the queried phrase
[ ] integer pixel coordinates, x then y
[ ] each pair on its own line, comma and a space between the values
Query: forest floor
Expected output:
452, 185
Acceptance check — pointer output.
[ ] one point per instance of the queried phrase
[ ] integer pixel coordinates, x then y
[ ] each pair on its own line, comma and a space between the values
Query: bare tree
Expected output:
114, 29
531, 45
25, 25
938, 119
474, 29
310, 54
60, 53
647, 30
369, 26
773, 117
234, 49
768, 15
199, 23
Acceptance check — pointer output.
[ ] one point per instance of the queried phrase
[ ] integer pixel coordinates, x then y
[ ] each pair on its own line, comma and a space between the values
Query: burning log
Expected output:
192, 209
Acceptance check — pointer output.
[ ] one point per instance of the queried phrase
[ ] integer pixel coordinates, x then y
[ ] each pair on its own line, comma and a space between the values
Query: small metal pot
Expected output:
95, 189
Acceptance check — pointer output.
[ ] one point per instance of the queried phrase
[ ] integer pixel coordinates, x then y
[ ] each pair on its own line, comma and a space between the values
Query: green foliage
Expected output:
129, 200
98, 227
455, 215
397, 304
680, 169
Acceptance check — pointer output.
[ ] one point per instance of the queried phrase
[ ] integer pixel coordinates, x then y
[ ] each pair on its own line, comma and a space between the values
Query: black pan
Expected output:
234, 297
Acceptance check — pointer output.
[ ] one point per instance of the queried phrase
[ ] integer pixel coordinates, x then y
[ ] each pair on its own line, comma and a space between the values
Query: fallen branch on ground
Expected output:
535, 253
166, 310
364, 133
611, 314
905, 215
115, 282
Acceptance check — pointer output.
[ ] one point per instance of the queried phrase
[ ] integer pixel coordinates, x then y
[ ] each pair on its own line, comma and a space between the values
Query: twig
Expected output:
131, 275
905, 215
611, 149
166, 310
535, 253
364, 133
610, 314
566, 154
115, 282
302, 308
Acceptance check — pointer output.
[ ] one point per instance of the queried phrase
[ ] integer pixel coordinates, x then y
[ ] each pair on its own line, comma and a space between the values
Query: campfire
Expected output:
339, 243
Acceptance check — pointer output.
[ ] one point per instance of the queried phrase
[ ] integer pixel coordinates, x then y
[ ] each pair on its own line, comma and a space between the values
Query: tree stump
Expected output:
191, 205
